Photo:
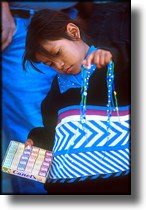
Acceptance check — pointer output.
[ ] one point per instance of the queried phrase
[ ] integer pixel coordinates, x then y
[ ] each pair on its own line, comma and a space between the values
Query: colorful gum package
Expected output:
28, 162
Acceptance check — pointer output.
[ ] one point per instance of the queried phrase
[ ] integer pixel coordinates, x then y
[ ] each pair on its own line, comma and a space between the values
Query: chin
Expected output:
75, 73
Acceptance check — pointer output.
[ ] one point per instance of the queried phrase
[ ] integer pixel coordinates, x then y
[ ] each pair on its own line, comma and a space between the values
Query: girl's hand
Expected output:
29, 142
99, 57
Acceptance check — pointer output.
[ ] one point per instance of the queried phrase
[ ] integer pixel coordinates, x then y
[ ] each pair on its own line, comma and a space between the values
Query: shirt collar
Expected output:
73, 81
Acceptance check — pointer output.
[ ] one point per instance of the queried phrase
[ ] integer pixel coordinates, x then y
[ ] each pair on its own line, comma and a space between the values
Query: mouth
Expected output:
68, 70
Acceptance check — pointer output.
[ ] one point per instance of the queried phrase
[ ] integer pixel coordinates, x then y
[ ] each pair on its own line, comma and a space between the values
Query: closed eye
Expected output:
58, 52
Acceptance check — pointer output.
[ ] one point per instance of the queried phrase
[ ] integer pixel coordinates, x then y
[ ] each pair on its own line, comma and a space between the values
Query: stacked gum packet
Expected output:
27, 161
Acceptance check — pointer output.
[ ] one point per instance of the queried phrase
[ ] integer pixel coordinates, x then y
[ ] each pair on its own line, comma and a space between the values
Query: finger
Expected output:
6, 42
7, 36
29, 142
84, 63
88, 61
104, 58
108, 57
97, 58
101, 59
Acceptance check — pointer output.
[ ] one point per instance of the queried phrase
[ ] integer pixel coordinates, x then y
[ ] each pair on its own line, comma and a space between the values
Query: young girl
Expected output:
91, 130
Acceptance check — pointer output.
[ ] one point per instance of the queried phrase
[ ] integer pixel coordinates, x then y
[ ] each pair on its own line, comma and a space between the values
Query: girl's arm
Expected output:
43, 137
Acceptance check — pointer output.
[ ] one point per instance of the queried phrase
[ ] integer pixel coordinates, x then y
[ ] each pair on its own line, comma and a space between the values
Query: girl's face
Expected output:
67, 55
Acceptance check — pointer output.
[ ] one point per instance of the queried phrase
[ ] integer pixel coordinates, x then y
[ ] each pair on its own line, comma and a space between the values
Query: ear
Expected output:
73, 30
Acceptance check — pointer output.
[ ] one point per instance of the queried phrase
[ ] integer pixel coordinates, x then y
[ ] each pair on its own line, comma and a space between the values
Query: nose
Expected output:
59, 65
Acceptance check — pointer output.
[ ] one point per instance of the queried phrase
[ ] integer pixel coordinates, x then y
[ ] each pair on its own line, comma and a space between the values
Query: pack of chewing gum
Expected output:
27, 161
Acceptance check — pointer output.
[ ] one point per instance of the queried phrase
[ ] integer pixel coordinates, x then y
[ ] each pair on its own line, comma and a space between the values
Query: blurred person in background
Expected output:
22, 93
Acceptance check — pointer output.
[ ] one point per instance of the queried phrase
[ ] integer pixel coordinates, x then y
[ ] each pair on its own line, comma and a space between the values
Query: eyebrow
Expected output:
47, 54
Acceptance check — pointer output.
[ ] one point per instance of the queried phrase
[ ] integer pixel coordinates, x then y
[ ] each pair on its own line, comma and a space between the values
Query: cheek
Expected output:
79, 53
76, 56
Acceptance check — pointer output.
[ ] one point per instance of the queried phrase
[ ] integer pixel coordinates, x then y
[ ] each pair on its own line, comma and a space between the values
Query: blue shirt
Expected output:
42, 5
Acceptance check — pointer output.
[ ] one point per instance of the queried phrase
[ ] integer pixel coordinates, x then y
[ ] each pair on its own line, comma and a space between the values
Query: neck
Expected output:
86, 48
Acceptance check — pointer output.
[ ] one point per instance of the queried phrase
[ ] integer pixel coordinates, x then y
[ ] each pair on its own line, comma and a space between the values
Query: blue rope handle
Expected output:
112, 94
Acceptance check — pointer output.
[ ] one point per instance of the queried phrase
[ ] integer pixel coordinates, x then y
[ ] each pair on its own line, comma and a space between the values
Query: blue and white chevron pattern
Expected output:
91, 152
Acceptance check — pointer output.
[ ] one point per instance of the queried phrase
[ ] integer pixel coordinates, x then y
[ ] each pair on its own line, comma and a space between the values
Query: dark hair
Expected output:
45, 25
